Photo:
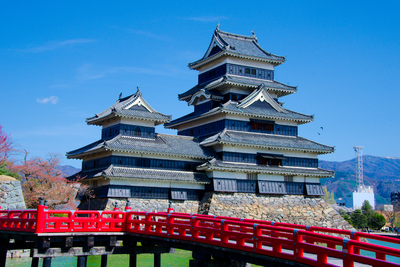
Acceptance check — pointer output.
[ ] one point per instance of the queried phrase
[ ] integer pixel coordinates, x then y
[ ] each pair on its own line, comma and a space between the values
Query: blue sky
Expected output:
63, 61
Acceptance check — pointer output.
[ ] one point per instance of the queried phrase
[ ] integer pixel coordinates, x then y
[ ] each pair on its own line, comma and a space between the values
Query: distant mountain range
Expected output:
381, 173
68, 170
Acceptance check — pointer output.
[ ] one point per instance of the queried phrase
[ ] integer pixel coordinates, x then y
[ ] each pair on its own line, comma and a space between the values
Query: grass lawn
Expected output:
178, 259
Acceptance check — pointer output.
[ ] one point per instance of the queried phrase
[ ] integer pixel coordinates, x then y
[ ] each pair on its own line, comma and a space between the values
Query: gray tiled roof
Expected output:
239, 80
263, 109
162, 144
240, 45
256, 110
148, 174
86, 149
121, 108
231, 166
267, 140
184, 118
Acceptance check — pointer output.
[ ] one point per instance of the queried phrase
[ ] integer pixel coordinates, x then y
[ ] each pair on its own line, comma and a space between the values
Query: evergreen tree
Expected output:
358, 219
367, 209
377, 221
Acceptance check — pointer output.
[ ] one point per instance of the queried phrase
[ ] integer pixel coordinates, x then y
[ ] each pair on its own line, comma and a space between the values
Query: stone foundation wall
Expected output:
138, 204
11, 197
287, 208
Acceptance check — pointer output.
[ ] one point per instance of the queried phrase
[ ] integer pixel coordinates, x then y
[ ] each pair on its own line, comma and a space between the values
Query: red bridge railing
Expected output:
281, 240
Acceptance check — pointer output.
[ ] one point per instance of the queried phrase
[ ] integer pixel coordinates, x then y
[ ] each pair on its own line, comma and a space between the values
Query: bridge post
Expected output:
104, 260
47, 262
82, 260
3, 257
35, 262
132, 259
157, 259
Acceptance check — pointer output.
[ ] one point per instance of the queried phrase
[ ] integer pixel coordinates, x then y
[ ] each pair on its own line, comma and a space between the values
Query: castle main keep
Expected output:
237, 154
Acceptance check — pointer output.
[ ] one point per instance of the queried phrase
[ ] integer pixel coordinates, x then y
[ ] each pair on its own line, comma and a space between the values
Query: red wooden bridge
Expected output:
51, 233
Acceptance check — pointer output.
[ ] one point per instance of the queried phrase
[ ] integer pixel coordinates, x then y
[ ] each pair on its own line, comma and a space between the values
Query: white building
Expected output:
355, 200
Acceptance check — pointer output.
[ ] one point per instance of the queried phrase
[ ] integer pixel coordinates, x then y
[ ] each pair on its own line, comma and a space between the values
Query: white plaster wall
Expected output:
255, 150
199, 122
298, 179
245, 118
227, 175
237, 61
156, 184
137, 122
143, 155
268, 177
311, 180
128, 122
250, 63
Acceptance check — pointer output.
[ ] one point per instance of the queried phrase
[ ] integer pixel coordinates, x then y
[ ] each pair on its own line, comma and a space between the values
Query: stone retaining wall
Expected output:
287, 208
278, 208
138, 204
11, 197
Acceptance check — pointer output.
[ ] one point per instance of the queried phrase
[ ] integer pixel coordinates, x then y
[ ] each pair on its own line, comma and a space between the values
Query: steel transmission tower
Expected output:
359, 169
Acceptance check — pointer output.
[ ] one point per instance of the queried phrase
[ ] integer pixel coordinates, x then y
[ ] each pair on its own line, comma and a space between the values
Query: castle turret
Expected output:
132, 161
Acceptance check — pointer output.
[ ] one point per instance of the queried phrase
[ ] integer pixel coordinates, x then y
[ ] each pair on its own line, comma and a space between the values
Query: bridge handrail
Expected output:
241, 234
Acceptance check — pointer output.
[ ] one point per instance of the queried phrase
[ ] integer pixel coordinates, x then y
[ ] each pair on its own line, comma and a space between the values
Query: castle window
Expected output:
288, 178
270, 159
251, 176
262, 125
137, 132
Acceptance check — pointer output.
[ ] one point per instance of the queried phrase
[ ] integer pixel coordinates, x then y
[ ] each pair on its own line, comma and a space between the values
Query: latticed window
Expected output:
270, 160
251, 176
137, 131
288, 178
262, 126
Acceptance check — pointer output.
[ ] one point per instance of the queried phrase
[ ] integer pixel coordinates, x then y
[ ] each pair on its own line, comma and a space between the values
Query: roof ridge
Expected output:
251, 38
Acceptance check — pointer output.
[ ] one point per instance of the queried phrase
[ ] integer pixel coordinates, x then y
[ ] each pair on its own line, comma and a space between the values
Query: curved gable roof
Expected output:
133, 106
224, 43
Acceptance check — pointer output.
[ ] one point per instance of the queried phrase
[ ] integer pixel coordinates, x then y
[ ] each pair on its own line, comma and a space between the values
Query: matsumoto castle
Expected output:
238, 139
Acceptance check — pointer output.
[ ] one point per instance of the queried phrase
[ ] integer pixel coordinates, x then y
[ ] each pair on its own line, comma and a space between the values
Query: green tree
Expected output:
358, 219
329, 197
367, 209
5, 171
377, 221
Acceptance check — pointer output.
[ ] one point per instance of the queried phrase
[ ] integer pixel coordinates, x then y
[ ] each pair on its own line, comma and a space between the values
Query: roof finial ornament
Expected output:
254, 34
138, 91
218, 25
120, 96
